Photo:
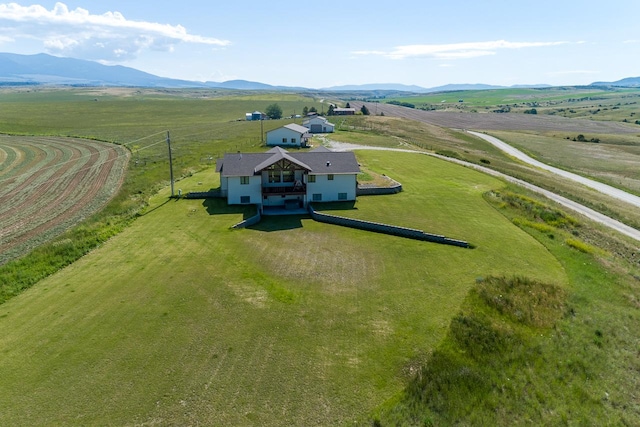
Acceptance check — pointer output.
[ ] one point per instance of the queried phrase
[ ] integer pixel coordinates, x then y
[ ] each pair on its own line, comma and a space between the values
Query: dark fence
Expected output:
410, 233
203, 194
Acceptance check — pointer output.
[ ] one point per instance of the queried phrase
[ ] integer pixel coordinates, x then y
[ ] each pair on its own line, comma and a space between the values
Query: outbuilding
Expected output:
291, 135
318, 124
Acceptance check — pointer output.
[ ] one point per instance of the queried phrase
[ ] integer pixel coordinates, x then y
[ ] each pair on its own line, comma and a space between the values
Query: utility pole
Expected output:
261, 130
170, 162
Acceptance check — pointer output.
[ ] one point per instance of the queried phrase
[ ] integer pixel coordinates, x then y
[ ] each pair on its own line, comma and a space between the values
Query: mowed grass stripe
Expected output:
65, 181
180, 320
8, 158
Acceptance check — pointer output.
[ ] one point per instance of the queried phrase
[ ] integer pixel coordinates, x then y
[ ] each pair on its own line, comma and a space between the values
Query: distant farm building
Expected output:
344, 111
256, 115
317, 124
291, 135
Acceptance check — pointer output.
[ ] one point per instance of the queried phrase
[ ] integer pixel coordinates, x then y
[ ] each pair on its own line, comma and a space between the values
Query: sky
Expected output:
322, 44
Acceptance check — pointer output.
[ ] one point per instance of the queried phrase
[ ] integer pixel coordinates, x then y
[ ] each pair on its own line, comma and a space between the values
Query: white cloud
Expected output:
455, 50
77, 32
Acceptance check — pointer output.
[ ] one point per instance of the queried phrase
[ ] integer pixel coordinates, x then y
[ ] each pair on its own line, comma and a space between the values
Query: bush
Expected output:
274, 111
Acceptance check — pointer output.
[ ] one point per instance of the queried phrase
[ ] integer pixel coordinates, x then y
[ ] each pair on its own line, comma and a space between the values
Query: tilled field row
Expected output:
497, 121
47, 185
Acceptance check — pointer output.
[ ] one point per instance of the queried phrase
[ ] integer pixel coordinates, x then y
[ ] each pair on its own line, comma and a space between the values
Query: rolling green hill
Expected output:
172, 318
180, 320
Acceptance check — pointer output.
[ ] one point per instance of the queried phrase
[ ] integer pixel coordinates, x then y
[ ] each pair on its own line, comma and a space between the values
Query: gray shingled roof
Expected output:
294, 127
318, 162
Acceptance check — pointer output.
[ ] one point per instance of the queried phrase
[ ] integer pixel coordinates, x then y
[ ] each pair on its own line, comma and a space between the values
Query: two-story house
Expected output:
280, 178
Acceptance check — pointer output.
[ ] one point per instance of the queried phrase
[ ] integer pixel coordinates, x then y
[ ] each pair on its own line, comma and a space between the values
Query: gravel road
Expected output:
576, 207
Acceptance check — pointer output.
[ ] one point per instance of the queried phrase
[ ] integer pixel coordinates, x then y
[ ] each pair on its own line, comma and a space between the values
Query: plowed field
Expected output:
49, 184
495, 121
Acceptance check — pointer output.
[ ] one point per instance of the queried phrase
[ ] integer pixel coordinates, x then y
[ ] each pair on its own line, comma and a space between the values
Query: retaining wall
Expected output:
371, 190
249, 221
410, 233
378, 191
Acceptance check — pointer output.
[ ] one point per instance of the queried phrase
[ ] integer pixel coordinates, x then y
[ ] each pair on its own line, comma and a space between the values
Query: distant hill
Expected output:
376, 86
420, 89
628, 82
248, 85
47, 69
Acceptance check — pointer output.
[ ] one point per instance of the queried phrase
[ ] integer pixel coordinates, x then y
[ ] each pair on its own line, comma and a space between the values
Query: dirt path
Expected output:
570, 204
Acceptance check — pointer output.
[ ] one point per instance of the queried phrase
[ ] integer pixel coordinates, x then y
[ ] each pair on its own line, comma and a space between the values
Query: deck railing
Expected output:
297, 189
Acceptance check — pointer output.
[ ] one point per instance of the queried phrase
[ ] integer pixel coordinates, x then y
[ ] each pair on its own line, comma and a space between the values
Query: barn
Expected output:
317, 124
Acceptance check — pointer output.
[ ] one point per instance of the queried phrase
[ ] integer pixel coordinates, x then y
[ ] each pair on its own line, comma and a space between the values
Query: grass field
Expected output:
611, 160
596, 103
179, 320
51, 184
203, 125
168, 317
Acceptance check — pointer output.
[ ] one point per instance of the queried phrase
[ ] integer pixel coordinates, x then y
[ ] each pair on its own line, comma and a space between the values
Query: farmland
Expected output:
176, 307
50, 184
172, 318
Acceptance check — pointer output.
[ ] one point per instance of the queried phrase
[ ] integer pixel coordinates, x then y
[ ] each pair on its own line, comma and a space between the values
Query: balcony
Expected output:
299, 189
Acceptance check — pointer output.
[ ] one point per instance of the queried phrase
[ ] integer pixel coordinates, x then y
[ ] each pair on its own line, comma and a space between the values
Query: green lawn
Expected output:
180, 320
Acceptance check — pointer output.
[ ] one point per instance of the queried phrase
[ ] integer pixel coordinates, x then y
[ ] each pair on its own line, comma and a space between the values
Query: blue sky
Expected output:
314, 44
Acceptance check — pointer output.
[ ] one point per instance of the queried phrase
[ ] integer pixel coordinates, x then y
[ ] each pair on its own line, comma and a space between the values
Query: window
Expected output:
274, 176
317, 197
245, 199
244, 180
342, 196
330, 177
284, 140
287, 176
311, 178
293, 140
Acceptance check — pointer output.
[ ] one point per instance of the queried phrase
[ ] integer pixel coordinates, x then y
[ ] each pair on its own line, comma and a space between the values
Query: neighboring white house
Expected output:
291, 135
317, 124
280, 178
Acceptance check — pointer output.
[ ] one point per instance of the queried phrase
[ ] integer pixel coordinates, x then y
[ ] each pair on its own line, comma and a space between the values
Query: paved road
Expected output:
598, 186
576, 207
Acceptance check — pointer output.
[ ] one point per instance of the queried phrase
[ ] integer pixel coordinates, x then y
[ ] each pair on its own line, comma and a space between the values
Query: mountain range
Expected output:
41, 68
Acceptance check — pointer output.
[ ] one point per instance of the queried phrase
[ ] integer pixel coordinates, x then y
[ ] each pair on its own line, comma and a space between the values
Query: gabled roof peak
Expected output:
277, 149
277, 156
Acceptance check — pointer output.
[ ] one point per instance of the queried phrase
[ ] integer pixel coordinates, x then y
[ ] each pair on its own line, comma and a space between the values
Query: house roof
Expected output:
279, 154
294, 127
318, 162
317, 119
320, 149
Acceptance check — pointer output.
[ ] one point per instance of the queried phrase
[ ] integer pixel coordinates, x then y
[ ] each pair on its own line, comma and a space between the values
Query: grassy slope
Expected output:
180, 320
535, 353
203, 125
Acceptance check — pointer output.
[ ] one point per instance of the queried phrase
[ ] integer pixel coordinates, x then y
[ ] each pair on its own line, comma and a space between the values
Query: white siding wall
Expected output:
325, 125
237, 190
275, 137
331, 189
224, 185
